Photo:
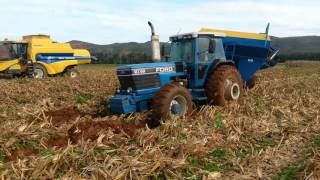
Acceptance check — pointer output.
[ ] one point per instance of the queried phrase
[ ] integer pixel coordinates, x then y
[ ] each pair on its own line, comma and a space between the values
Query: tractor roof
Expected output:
196, 34
237, 34
13, 42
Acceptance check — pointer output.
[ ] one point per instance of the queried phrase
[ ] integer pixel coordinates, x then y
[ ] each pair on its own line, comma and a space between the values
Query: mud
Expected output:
57, 141
89, 130
19, 153
65, 115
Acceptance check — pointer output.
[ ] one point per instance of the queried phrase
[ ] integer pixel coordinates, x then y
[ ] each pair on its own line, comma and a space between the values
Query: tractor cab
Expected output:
197, 51
10, 50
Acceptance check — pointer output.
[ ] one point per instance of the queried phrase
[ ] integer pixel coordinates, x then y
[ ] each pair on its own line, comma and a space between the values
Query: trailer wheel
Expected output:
172, 101
72, 73
252, 82
39, 71
224, 84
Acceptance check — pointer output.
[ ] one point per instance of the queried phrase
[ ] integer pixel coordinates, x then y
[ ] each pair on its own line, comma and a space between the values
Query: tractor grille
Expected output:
139, 82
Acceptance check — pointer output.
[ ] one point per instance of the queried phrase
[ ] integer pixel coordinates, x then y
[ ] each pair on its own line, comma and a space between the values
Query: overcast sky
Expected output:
106, 21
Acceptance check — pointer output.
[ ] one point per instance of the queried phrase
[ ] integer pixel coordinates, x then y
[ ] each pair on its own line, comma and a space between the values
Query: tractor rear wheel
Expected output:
252, 82
72, 73
172, 101
224, 84
39, 72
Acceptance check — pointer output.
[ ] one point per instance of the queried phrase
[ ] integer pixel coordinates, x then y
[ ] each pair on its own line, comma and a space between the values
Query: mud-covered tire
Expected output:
252, 82
39, 72
172, 101
223, 85
72, 73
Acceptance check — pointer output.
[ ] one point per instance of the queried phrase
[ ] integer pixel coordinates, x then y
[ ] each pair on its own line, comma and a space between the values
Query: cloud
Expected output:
106, 21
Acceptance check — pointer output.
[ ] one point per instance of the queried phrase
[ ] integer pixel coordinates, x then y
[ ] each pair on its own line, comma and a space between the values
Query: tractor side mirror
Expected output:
212, 46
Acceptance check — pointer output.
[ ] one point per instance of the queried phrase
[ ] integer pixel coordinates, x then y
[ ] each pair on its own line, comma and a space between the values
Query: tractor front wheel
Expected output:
39, 72
172, 101
223, 85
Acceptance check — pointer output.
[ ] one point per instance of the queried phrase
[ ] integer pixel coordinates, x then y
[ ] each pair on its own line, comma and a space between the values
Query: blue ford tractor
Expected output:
205, 67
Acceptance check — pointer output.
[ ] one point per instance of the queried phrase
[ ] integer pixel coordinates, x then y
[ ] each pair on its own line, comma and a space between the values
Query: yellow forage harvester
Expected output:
38, 56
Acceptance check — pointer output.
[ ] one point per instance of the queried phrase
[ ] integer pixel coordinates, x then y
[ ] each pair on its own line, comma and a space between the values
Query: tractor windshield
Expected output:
10, 51
5, 52
182, 50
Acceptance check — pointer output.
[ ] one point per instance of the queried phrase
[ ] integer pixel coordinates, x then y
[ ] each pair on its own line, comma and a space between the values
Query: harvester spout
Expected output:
155, 44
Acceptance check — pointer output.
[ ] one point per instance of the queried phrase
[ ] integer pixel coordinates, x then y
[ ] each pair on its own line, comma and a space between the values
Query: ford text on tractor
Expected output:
38, 56
205, 67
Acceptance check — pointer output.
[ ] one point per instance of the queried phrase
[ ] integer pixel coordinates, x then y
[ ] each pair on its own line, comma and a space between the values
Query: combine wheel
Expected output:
39, 71
223, 85
172, 101
252, 82
72, 73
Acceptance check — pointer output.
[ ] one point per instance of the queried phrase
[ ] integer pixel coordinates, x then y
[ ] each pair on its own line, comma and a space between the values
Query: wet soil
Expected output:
90, 129
65, 115
19, 153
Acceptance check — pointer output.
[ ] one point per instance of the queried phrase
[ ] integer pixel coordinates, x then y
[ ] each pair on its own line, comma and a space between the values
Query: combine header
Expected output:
38, 56
205, 67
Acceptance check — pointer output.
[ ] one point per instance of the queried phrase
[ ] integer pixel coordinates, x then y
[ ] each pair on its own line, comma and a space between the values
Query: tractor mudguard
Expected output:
218, 63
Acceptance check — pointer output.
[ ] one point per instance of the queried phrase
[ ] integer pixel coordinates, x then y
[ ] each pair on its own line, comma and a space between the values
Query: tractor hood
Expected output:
147, 68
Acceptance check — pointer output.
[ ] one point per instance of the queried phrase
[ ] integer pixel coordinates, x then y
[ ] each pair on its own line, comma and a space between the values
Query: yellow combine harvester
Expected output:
38, 56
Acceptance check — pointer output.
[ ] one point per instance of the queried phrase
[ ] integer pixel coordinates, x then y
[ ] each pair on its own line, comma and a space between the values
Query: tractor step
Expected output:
30, 68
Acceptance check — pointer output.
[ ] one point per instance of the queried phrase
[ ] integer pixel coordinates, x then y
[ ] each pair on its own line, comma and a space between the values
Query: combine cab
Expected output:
206, 67
37, 56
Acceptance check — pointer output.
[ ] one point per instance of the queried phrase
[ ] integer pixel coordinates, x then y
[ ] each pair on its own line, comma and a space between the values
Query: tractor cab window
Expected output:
182, 50
204, 49
12, 51
210, 49
4, 52
219, 50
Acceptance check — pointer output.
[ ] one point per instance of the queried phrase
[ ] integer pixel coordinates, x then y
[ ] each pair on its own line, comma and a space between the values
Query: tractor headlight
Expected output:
118, 91
129, 90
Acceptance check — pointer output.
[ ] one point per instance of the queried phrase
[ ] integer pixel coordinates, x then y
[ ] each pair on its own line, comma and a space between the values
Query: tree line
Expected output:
120, 58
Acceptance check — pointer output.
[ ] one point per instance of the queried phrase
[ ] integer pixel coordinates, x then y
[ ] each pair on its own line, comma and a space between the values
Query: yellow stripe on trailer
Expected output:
238, 34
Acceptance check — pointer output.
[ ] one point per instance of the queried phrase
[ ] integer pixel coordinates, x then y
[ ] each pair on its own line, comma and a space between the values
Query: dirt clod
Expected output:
58, 141
90, 129
19, 153
61, 116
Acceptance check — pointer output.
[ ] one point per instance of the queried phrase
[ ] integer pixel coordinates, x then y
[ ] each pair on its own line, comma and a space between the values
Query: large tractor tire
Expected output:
39, 72
172, 101
72, 73
252, 82
223, 85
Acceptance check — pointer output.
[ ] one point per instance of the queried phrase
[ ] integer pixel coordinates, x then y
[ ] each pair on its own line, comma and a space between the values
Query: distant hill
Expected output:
132, 52
122, 48
297, 45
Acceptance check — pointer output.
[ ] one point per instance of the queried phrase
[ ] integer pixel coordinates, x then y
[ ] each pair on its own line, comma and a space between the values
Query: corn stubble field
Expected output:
60, 128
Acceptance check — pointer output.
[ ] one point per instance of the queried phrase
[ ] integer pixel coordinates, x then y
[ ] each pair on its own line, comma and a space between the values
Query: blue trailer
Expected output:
205, 67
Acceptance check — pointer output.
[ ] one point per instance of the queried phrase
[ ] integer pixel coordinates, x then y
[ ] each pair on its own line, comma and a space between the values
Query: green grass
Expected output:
316, 142
263, 143
47, 153
218, 122
219, 153
287, 173
2, 156
293, 169
98, 150
81, 99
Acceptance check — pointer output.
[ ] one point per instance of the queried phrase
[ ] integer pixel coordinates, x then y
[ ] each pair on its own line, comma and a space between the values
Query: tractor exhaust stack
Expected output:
155, 44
